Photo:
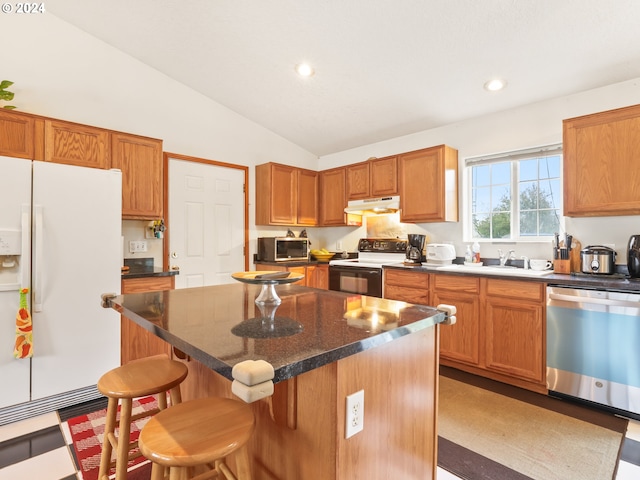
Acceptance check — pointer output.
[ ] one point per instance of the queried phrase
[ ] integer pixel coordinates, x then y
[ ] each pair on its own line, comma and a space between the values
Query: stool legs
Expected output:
124, 434
107, 448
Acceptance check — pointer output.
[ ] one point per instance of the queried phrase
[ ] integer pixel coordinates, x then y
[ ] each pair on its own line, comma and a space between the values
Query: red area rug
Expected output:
87, 433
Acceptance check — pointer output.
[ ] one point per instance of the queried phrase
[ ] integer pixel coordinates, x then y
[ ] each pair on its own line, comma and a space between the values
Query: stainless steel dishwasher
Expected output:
593, 346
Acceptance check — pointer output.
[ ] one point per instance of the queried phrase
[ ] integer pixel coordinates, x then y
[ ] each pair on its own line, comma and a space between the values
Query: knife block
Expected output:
562, 266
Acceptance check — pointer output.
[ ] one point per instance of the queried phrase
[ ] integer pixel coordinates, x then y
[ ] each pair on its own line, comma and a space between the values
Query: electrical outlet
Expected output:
137, 246
355, 414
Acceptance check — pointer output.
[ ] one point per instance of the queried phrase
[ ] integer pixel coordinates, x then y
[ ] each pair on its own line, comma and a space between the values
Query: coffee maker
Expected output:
414, 249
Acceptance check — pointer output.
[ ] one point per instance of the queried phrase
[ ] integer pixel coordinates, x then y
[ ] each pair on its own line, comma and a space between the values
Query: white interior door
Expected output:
206, 215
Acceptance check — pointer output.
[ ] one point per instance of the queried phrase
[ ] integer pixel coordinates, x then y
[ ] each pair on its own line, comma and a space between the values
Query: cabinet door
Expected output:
300, 271
358, 181
406, 286
75, 144
600, 152
307, 193
429, 185
461, 341
311, 276
332, 197
515, 329
383, 176
322, 277
276, 194
16, 135
136, 342
140, 160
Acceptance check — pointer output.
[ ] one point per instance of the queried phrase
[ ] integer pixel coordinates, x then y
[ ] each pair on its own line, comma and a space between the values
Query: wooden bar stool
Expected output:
148, 376
199, 433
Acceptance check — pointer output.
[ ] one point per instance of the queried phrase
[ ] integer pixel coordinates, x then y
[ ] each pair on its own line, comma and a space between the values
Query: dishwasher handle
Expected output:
594, 301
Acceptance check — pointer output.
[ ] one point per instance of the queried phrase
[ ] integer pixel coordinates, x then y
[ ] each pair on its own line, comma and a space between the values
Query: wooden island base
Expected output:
300, 431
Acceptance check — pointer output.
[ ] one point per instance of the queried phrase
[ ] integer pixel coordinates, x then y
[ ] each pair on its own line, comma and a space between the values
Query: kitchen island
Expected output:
323, 346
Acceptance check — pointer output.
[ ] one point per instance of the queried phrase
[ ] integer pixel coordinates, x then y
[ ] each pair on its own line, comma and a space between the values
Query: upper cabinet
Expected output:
373, 178
140, 159
286, 195
75, 144
24, 135
601, 152
16, 135
429, 185
333, 197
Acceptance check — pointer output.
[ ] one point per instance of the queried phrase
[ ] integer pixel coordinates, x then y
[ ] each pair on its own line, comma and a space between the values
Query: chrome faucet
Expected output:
503, 258
525, 261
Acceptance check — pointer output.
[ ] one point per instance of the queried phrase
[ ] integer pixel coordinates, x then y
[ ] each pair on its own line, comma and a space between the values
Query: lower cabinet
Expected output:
500, 327
135, 341
316, 276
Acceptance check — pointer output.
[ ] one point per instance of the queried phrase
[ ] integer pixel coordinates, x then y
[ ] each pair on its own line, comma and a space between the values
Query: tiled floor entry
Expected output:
40, 448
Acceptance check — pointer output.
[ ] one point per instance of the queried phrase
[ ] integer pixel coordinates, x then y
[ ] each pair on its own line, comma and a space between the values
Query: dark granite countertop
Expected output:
616, 281
221, 325
143, 267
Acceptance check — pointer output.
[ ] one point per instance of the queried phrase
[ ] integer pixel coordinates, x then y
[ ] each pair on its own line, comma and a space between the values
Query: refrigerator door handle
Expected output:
38, 260
26, 227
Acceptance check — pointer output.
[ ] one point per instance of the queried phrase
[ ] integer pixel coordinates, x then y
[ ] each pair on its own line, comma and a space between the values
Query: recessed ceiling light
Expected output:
495, 84
304, 70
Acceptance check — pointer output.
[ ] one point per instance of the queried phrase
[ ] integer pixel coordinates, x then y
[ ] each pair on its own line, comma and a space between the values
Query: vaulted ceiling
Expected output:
382, 68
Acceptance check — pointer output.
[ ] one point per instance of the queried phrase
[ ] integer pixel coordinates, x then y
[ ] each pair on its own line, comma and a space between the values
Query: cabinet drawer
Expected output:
406, 294
515, 289
457, 283
149, 284
406, 278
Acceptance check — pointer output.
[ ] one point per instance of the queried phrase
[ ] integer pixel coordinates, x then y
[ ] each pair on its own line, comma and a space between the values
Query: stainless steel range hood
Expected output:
373, 206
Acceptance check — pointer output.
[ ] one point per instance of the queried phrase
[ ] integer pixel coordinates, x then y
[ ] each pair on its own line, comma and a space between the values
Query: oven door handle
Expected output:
362, 270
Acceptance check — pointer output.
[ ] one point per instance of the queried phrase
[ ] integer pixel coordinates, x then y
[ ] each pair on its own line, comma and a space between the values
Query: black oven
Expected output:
360, 280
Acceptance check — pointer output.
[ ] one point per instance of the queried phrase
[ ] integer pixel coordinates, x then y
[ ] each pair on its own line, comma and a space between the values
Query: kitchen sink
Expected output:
496, 270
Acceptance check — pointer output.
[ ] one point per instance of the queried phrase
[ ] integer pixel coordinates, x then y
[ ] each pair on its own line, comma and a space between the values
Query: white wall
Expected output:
529, 126
60, 71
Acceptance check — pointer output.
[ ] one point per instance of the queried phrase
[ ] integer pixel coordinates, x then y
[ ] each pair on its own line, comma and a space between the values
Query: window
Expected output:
515, 196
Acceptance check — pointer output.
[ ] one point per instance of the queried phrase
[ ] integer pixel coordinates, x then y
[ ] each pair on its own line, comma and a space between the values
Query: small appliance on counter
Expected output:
415, 246
633, 256
598, 259
283, 249
440, 254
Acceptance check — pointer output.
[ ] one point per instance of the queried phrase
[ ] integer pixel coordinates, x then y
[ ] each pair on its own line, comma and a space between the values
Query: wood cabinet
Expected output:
406, 286
140, 159
75, 144
500, 329
315, 276
322, 276
601, 152
16, 134
333, 199
429, 185
286, 195
135, 341
373, 178
515, 329
460, 342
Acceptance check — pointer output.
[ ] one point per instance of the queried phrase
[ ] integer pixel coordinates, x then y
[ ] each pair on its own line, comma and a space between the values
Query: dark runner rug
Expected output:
489, 430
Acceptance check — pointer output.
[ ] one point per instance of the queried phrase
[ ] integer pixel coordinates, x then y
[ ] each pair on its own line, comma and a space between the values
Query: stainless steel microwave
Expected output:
282, 249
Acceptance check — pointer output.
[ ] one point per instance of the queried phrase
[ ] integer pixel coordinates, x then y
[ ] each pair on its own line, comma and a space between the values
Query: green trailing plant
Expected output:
5, 94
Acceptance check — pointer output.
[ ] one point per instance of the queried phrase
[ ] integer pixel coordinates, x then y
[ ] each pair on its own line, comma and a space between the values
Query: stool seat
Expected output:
148, 376
199, 432
142, 377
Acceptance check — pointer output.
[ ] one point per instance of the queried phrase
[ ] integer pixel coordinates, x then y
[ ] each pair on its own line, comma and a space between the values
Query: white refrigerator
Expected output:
60, 236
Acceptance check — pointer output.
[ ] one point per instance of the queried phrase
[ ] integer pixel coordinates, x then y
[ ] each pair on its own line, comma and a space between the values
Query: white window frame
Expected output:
514, 157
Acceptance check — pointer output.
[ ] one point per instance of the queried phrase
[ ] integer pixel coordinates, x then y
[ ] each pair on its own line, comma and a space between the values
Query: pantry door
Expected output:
207, 224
